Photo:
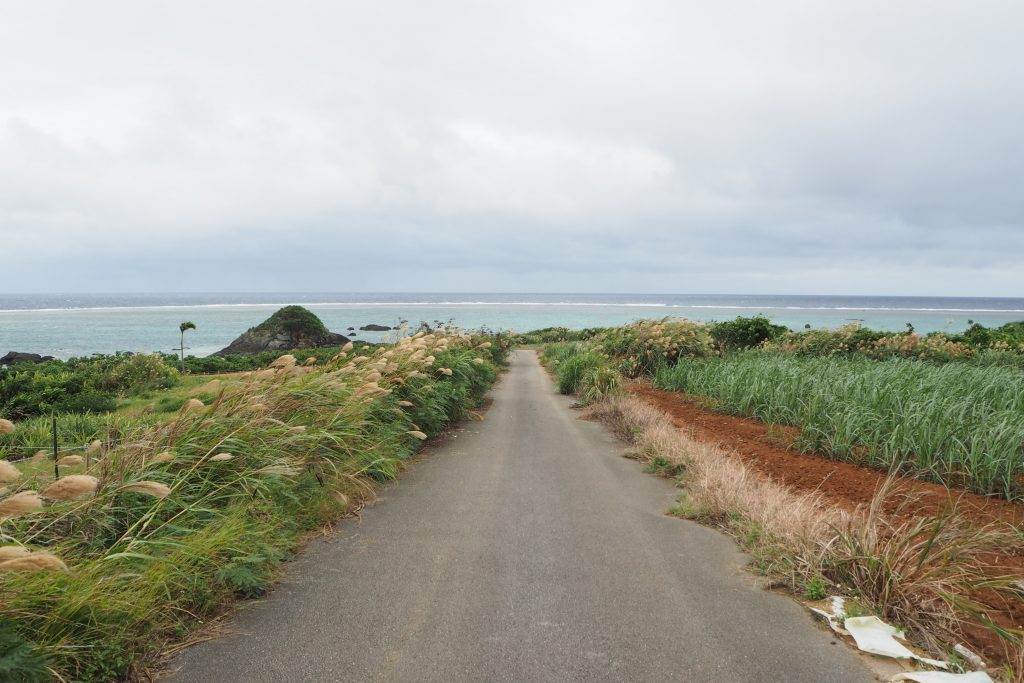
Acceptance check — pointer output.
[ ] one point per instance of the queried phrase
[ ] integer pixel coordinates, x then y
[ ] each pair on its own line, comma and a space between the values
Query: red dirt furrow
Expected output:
763, 447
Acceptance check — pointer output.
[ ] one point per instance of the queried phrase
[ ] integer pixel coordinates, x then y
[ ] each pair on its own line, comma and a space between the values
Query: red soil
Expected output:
764, 448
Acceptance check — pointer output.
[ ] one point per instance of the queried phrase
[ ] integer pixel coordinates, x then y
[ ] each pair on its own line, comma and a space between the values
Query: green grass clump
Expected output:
572, 373
955, 423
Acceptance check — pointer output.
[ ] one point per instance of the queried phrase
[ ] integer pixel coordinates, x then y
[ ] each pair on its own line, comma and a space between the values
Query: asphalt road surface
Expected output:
526, 548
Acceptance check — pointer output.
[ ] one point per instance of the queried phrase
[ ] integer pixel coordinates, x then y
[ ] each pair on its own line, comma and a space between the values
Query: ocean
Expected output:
65, 325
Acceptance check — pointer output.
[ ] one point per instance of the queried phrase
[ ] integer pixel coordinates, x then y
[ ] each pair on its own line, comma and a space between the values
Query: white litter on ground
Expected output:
975, 661
943, 677
838, 612
879, 638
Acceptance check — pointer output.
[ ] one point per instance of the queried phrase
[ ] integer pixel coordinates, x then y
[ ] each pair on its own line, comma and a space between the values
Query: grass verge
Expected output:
100, 570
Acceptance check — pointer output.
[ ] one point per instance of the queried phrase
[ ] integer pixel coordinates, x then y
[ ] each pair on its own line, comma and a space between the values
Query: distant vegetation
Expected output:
95, 384
81, 385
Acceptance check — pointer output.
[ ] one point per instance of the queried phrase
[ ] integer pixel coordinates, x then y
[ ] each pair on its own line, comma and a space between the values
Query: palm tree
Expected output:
185, 326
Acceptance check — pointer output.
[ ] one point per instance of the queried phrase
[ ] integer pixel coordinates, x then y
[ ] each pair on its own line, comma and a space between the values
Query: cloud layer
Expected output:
794, 147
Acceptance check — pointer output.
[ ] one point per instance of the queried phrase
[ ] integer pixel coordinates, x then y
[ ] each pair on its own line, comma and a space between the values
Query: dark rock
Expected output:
351, 329
373, 327
15, 357
292, 327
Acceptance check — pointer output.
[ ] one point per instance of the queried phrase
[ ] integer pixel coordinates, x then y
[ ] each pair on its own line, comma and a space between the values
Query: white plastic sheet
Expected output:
879, 638
943, 677
833, 618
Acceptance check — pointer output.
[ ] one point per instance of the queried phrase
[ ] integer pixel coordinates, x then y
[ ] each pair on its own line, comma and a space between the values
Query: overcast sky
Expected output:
869, 147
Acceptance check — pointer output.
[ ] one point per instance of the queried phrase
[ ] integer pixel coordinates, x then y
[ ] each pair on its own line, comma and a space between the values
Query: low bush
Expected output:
745, 333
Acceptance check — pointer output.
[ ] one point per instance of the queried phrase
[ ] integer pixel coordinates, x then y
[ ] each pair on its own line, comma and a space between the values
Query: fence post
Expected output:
56, 470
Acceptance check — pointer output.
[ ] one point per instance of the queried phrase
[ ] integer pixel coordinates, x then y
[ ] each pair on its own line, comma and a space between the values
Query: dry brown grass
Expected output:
922, 572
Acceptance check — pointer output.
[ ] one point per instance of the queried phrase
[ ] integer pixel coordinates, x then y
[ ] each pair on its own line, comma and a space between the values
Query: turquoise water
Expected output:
75, 325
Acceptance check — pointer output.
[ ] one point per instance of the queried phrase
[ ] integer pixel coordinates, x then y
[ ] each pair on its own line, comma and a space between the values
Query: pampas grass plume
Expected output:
405, 404
221, 457
446, 371
166, 456
285, 361
71, 460
71, 487
94, 446
347, 347
193, 404
11, 552
282, 470
478, 361
40, 455
9, 472
6, 426
20, 503
418, 434
34, 562
298, 429
149, 488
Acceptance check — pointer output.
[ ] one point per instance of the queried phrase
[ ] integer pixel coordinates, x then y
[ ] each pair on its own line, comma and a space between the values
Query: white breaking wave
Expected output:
440, 304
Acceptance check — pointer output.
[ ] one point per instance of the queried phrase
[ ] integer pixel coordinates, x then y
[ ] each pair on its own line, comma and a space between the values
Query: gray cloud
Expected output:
646, 146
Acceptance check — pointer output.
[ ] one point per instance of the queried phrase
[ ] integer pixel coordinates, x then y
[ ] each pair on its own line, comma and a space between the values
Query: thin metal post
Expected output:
56, 469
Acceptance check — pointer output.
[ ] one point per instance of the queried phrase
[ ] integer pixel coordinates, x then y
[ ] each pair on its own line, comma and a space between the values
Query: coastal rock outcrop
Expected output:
374, 327
15, 357
292, 327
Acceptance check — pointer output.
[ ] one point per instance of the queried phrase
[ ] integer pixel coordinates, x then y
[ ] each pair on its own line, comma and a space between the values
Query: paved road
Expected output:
525, 549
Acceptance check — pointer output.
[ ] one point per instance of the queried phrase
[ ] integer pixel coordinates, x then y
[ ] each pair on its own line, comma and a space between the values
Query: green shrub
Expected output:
602, 382
744, 333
